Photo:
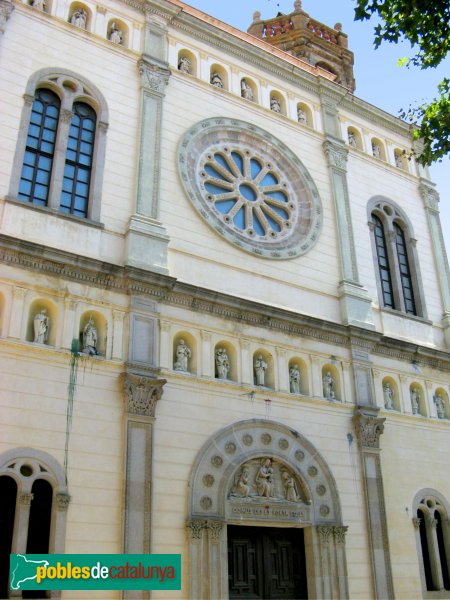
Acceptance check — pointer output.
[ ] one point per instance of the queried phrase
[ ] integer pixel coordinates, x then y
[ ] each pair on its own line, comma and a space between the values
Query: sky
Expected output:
378, 78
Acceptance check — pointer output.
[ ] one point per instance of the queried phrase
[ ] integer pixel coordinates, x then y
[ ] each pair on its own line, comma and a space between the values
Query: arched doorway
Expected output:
263, 499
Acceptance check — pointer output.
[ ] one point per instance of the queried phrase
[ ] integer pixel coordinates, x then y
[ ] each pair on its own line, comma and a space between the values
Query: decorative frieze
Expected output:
142, 394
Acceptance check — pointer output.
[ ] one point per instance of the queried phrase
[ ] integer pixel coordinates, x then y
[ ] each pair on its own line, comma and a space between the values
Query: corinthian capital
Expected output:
153, 78
369, 427
336, 155
429, 195
142, 394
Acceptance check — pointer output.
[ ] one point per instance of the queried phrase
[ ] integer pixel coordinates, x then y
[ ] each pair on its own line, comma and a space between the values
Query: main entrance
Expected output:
266, 563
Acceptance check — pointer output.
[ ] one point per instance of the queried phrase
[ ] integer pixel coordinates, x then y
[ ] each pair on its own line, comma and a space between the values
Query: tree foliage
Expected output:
426, 25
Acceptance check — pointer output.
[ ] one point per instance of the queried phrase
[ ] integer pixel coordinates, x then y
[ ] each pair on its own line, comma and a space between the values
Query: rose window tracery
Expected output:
250, 187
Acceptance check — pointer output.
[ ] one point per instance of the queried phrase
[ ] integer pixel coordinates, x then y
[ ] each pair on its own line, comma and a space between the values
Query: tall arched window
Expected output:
40, 148
383, 263
405, 272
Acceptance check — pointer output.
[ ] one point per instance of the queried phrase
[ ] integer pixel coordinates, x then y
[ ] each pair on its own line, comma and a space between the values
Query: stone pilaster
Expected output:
17, 312
207, 541
141, 394
369, 427
430, 199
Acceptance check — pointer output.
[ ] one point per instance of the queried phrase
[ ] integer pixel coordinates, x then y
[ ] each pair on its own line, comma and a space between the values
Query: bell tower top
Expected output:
302, 36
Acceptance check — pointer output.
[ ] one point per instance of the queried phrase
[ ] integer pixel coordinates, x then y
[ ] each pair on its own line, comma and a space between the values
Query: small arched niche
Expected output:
225, 361
400, 159
417, 399
354, 138
378, 149
218, 77
187, 62
117, 32
80, 15
249, 90
331, 382
441, 401
185, 357
391, 397
263, 369
298, 376
93, 333
277, 102
42, 322
304, 114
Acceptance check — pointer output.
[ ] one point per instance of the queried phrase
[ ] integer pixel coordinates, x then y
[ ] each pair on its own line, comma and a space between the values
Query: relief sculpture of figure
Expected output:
352, 139
294, 379
376, 150
41, 325
246, 91
414, 393
216, 80
182, 357
275, 105
90, 337
116, 34
184, 65
242, 485
328, 387
440, 406
388, 393
79, 18
260, 370
301, 116
289, 487
264, 478
222, 363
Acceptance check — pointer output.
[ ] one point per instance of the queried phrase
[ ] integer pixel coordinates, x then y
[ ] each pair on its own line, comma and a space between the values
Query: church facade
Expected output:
224, 307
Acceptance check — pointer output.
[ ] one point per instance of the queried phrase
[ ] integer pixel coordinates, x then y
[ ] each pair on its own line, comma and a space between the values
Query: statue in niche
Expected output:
39, 4
440, 406
352, 139
183, 355
388, 394
398, 160
415, 397
242, 485
376, 150
329, 387
294, 379
275, 105
222, 363
90, 338
41, 325
246, 91
260, 370
79, 18
216, 80
301, 116
264, 478
290, 487
184, 65
116, 34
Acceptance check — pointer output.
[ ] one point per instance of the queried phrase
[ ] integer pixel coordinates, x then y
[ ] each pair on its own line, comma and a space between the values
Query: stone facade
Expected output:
221, 236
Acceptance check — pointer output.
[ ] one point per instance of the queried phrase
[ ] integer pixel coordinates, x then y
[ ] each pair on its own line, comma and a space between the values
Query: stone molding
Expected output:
369, 427
142, 394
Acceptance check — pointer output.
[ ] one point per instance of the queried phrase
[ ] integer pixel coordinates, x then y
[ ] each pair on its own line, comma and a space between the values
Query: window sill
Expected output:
55, 213
399, 313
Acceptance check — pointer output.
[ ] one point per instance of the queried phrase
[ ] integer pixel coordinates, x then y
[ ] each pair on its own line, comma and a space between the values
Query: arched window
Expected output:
59, 164
40, 148
395, 257
8, 498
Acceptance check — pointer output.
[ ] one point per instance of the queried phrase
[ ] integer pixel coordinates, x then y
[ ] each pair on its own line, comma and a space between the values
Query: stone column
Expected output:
316, 377
283, 371
369, 427
362, 370
433, 551
165, 343
16, 315
146, 238
117, 342
141, 395
431, 202
59, 522
68, 332
207, 552
206, 355
246, 363
341, 560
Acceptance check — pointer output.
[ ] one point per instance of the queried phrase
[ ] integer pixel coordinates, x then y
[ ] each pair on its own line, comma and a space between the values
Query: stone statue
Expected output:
183, 355
222, 363
242, 486
415, 397
388, 394
260, 370
246, 90
301, 116
376, 151
352, 139
264, 478
294, 379
440, 406
275, 105
216, 80
328, 387
79, 18
184, 65
289, 487
41, 324
39, 4
398, 160
116, 34
90, 338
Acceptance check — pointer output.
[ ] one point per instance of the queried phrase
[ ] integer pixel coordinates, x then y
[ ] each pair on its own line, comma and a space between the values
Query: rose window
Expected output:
250, 187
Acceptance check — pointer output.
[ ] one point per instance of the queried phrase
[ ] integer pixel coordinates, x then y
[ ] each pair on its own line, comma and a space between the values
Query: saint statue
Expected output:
289, 487
264, 478
222, 363
329, 387
440, 406
41, 325
260, 370
376, 150
116, 34
79, 18
275, 105
90, 337
184, 65
352, 139
301, 116
183, 354
246, 90
388, 394
415, 397
39, 4
216, 80
242, 486
294, 379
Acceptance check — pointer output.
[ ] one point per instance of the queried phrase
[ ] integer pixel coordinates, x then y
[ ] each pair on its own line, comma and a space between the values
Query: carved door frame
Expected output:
213, 476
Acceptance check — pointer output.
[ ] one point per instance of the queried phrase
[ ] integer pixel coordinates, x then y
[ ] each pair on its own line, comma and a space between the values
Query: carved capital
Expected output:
416, 522
62, 501
197, 527
66, 116
164, 326
6, 8
371, 225
118, 315
142, 394
325, 533
430, 196
206, 336
336, 155
368, 427
245, 345
19, 292
339, 534
432, 522
215, 529
70, 303
25, 499
153, 78
28, 99
102, 126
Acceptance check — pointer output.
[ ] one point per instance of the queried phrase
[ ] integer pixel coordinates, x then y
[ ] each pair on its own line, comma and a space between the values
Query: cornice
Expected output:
168, 290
